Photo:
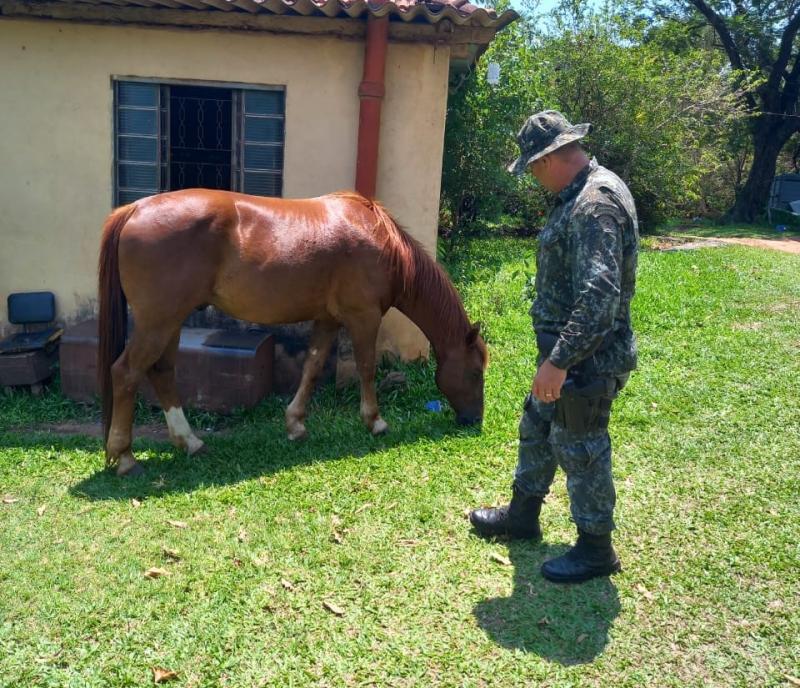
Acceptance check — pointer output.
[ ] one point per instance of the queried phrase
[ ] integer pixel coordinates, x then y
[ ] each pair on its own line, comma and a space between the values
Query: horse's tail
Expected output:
404, 253
112, 326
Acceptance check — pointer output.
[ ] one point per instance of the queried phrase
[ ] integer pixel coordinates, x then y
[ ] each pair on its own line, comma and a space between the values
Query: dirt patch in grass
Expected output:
785, 245
688, 242
155, 433
780, 306
669, 243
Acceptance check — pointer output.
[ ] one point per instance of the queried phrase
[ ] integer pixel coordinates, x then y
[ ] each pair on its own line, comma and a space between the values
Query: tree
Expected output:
761, 37
479, 139
659, 115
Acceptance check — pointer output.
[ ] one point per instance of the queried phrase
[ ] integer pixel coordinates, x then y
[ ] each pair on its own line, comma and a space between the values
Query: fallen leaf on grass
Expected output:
173, 554
581, 638
163, 675
287, 584
544, 621
775, 604
791, 679
242, 535
85, 510
178, 524
337, 538
41, 509
156, 572
260, 560
8, 499
408, 542
500, 559
362, 507
333, 608
135, 503
644, 592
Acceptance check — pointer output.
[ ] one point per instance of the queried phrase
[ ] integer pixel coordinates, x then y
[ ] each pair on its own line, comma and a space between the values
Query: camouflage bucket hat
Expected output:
541, 134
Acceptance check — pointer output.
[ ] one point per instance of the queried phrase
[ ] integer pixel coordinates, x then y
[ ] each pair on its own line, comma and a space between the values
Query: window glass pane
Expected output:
263, 129
263, 157
138, 176
137, 122
264, 102
138, 95
262, 183
124, 196
138, 148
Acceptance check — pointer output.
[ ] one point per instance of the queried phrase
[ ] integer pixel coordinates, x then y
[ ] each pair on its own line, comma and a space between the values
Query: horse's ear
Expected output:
472, 335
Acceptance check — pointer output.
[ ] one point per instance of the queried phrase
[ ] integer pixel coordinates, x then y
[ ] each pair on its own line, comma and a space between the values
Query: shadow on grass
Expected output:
248, 450
568, 624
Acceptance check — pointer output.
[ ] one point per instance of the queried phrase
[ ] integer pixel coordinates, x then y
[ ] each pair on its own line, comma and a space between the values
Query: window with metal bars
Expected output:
178, 136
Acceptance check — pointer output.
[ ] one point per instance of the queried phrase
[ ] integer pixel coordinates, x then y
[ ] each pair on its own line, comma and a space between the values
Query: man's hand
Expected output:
548, 381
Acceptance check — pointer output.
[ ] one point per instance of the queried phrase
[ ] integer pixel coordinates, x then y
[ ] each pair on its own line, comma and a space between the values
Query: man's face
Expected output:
542, 170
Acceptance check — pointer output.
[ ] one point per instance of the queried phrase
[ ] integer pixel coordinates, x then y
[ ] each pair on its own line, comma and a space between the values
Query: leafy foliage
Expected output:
759, 40
661, 107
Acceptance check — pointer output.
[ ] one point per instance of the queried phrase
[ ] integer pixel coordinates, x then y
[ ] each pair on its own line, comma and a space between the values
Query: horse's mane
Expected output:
420, 276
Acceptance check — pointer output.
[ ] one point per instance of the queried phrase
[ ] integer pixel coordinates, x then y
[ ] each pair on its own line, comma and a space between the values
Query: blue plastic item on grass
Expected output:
780, 228
434, 406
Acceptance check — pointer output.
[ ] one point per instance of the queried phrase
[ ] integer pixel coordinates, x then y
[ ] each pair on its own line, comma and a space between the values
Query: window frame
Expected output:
238, 141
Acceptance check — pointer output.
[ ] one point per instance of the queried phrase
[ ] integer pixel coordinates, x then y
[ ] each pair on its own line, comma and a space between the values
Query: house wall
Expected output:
56, 144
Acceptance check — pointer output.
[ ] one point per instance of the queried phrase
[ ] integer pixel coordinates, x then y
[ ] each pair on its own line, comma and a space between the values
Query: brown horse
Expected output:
337, 260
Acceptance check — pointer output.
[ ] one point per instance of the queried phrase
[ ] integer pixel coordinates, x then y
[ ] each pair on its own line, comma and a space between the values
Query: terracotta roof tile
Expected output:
460, 12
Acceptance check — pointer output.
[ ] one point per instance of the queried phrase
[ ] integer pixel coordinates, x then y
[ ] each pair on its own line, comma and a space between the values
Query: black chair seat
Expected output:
23, 342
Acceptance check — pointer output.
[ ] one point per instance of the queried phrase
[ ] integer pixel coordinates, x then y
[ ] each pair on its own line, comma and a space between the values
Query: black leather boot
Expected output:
519, 519
592, 556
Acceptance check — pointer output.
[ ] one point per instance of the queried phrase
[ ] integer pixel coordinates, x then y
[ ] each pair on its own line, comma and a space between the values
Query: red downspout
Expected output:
371, 91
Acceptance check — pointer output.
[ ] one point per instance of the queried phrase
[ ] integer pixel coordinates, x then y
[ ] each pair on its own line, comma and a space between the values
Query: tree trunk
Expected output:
768, 141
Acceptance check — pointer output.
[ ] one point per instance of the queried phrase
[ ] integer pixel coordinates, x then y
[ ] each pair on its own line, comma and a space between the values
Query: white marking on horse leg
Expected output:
380, 426
181, 432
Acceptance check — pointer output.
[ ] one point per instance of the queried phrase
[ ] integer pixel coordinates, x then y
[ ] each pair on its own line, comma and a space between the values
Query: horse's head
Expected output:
459, 375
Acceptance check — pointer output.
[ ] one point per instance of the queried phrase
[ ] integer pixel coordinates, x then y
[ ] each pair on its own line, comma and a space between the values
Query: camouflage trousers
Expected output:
585, 458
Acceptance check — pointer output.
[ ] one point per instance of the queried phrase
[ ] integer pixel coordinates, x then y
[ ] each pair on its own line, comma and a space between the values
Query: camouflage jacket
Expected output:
586, 273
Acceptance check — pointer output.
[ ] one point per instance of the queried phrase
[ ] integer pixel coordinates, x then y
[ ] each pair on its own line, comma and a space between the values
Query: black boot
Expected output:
519, 519
592, 556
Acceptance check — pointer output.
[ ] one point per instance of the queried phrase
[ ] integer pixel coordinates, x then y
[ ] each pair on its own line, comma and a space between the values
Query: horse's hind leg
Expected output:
322, 337
141, 352
162, 377
364, 332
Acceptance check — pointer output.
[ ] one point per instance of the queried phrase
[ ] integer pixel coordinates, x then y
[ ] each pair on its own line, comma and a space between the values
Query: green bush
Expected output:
660, 116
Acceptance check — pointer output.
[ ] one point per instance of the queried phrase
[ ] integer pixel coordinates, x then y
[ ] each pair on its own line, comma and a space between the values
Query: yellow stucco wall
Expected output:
56, 141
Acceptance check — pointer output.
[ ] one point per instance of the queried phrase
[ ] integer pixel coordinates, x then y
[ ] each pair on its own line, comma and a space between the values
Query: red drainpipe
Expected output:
371, 91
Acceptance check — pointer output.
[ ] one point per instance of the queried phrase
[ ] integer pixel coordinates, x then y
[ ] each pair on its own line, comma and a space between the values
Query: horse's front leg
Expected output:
322, 337
364, 333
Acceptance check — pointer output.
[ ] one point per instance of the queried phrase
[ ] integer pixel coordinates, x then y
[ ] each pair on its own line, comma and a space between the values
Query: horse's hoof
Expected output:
297, 433
380, 427
197, 449
134, 471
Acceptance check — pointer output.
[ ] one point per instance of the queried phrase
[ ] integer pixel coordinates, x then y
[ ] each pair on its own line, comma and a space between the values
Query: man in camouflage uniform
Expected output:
585, 277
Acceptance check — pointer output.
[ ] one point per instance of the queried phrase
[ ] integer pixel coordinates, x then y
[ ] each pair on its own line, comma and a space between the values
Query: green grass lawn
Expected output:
260, 534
